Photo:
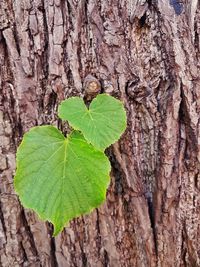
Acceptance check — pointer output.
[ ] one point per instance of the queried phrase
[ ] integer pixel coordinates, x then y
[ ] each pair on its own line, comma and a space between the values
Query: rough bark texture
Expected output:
147, 54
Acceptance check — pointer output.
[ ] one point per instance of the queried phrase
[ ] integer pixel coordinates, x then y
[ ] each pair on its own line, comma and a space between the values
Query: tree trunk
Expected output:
145, 53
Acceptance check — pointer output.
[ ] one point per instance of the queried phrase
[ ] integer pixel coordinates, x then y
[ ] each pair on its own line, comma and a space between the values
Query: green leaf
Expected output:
60, 178
101, 125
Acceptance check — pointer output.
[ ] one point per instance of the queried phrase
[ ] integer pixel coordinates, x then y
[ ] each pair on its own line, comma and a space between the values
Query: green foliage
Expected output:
60, 178
102, 124
64, 177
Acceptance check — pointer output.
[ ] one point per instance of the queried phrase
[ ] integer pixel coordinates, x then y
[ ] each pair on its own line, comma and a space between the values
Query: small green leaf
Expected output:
60, 178
101, 125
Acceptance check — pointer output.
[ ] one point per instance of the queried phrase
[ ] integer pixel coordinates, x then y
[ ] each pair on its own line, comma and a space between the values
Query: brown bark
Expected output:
146, 53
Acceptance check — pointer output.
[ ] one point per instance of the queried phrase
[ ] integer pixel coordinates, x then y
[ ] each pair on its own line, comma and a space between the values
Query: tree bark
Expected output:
145, 53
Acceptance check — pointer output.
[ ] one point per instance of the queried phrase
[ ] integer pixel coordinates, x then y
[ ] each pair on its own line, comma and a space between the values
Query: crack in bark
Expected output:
185, 117
2, 220
46, 41
24, 253
106, 259
152, 220
30, 234
98, 237
53, 253
16, 38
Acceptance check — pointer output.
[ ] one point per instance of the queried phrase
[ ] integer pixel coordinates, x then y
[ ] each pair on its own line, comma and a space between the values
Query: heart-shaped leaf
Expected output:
102, 124
60, 178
